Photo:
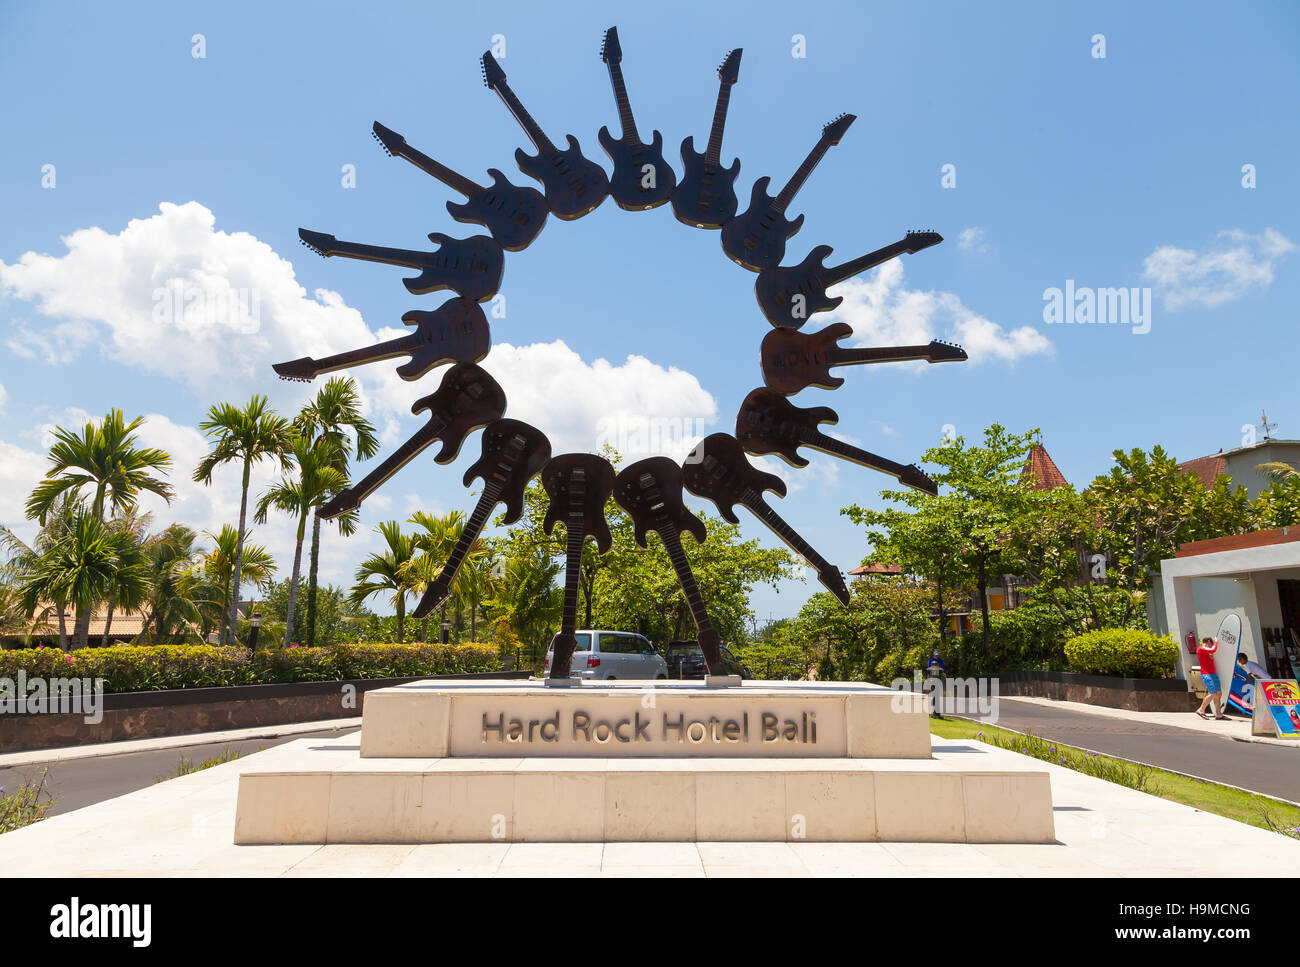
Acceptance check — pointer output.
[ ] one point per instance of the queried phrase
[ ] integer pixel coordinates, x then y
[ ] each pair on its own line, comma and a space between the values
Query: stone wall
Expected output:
1135, 694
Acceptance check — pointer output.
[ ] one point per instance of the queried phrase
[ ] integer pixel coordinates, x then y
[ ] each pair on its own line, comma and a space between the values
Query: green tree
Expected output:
389, 570
317, 479
181, 603
257, 567
333, 417
107, 458
245, 436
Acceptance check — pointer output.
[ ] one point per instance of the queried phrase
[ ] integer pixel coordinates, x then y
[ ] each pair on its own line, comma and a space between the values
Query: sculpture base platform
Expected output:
680, 762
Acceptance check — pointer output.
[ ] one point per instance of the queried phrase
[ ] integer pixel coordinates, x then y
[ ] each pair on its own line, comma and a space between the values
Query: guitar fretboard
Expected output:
399, 458
624, 105
667, 531
473, 527
531, 128
760, 509
835, 356
452, 179
573, 552
796, 181
847, 270
714, 151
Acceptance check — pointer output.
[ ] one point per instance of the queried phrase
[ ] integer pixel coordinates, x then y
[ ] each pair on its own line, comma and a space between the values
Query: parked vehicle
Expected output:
686, 660
606, 655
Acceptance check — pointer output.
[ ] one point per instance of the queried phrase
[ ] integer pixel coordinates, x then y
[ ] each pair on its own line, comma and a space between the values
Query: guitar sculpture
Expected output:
455, 332
579, 485
513, 453
706, 194
718, 470
466, 400
794, 360
788, 295
770, 423
470, 267
574, 185
756, 239
651, 492
642, 179
512, 214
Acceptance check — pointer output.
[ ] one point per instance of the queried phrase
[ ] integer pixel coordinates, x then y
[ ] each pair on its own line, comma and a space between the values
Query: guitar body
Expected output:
667, 477
468, 399
789, 295
513, 453
470, 267
718, 470
705, 196
626, 184
756, 238
513, 215
794, 360
456, 332
598, 486
574, 185
768, 423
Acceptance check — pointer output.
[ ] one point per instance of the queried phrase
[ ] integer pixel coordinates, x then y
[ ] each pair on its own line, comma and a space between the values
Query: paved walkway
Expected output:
1271, 768
184, 827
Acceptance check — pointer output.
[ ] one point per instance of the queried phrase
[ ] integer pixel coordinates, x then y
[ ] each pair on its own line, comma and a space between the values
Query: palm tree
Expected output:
390, 570
531, 599
258, 566
88, 563
22, 561
181, 601
136, 524
478, 578
108, 458
246, 436
435, 544
335, 410
317, 480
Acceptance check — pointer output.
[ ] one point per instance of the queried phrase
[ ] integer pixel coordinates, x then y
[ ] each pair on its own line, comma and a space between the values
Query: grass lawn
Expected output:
1245, 807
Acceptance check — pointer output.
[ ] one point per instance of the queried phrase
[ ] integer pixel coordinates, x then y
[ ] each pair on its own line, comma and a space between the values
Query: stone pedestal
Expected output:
516, 761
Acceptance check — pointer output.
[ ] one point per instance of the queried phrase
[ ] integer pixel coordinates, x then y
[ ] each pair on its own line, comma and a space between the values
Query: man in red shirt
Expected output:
1213, 690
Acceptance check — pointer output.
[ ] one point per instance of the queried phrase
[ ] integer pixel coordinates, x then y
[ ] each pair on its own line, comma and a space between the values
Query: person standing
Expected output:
1213, 690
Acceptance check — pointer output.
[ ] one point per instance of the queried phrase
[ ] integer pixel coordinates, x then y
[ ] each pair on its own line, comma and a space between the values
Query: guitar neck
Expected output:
760, 509
380, 253
401, 346
876, 354
714, 151
452, 179
624, 105
847, 270
396, 460
531, 128
667, 531
828, 444
473, 527
796, 182
572, 572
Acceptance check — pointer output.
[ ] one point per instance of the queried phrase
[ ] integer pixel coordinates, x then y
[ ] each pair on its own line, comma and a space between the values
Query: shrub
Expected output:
136, 668
1119, 651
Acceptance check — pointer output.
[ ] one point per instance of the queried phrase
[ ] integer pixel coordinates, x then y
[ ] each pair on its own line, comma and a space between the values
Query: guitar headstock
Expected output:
610, 51
650, 491
388, 139
318, 242
916, 241
729, 69
945, 352
513, 453
579, 480
467, 399
718, 470
912, 476
296, 370
834, 130
493, 75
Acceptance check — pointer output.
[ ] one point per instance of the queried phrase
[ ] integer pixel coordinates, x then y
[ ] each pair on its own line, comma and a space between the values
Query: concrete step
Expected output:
324, 791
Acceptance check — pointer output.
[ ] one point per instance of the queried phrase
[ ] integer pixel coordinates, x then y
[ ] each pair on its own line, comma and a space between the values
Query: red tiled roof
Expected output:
1206, 468
1236, 542
877, 569
1040, 467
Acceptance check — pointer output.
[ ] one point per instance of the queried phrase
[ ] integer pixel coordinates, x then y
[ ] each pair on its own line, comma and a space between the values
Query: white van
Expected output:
606, 655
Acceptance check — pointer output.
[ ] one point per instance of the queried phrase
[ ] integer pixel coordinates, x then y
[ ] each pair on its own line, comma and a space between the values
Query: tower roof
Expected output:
1042, 470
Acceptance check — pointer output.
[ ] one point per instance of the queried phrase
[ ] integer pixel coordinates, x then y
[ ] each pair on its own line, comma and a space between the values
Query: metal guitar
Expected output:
794, 360
705, 195
470, 267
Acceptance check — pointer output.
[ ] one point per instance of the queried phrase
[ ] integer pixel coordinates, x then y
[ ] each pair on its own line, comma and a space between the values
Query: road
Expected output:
1270, 769
79, 782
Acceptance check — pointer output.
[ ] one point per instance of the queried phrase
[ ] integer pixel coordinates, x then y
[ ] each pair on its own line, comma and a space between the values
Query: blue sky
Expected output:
1122, 171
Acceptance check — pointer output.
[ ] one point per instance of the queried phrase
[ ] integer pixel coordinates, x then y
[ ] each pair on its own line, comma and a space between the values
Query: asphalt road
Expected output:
79, 782
1269, 769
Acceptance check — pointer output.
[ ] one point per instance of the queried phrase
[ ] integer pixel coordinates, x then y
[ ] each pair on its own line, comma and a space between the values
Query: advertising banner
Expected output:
1277, 709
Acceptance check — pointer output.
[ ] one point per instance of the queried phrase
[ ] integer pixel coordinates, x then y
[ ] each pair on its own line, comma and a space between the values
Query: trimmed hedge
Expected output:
141, 668
1119, 651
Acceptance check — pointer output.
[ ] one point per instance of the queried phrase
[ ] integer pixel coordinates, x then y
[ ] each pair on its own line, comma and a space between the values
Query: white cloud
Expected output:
4, 397
884, 313
640, 407
1236, 262
972, 240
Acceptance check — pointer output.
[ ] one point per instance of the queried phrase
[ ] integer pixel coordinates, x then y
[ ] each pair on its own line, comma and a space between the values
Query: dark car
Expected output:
686, 660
